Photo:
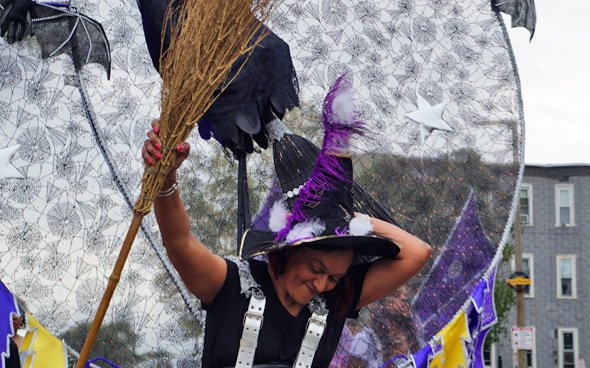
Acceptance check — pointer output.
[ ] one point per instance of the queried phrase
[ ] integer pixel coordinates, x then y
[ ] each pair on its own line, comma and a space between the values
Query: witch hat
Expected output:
318, 208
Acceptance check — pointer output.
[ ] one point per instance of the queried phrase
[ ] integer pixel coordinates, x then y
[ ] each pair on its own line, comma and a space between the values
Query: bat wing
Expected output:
262, 90
522, 13
65, 31
153, 13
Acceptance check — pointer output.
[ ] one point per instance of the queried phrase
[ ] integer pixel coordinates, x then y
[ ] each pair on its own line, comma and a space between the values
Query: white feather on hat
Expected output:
360, 225
278, 216
306, 230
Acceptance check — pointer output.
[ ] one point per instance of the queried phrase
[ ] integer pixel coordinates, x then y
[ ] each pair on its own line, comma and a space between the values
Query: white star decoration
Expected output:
429, 117
6, 169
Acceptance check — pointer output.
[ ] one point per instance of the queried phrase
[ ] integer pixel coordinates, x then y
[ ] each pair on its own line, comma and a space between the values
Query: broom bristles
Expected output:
207, 38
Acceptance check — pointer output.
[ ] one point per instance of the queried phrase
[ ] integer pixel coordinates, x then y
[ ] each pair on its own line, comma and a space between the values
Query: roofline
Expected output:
574, 165
557, 171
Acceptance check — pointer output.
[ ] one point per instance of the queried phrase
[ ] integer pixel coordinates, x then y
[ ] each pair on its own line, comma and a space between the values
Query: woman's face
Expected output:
310, 272
17, 322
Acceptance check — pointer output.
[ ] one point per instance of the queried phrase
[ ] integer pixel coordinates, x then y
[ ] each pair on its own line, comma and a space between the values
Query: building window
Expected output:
528, 267
490, 356
526, 204
568, 347
530, 359
566, 276
564, 205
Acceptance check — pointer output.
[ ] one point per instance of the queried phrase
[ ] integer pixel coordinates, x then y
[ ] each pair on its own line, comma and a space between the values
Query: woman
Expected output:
291, 309
16, 341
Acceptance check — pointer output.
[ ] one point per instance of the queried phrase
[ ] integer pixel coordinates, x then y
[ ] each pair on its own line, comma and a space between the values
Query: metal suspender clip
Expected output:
321, 321
255, 308
253, 315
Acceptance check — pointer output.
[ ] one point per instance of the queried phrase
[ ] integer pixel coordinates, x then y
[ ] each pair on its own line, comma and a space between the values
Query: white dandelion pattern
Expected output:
79, 152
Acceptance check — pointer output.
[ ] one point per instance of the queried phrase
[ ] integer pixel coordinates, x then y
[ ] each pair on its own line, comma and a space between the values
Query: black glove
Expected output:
13, 19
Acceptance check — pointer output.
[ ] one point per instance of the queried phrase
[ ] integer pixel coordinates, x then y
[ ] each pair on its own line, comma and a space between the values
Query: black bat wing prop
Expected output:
265, 87
59, 30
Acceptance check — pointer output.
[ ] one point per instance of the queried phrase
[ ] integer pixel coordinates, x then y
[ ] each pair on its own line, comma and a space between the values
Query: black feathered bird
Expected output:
264, 88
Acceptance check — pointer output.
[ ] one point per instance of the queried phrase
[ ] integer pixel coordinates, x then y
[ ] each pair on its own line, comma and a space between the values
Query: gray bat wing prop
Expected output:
522, 13
59, 30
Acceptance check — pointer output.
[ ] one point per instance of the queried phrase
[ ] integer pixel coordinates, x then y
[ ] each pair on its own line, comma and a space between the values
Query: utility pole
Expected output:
512, 124
520, 312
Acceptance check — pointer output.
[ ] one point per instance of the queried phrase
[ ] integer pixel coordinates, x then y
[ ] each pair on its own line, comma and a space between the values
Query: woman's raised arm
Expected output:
202, 271
387, 274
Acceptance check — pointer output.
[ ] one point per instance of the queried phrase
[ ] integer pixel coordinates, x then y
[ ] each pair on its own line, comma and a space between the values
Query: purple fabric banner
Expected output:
481, 317
7, 307
487, 318
422, 357
455, 274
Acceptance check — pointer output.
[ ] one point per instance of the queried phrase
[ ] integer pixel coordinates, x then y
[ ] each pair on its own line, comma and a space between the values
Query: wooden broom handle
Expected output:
108, 294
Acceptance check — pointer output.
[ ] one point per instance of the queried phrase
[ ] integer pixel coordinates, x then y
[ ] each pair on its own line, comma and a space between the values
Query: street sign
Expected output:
519, 281
523, 338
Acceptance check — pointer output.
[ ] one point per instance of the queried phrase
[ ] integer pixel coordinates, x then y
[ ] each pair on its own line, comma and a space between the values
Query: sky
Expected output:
555, 80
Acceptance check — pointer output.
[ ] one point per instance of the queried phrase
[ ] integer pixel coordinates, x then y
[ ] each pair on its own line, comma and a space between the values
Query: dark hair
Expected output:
22, 307
338, 299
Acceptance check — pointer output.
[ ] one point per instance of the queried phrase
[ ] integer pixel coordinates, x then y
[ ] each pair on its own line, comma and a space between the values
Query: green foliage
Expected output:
166, 293
504, 297
427, 195
209, 190
116, 341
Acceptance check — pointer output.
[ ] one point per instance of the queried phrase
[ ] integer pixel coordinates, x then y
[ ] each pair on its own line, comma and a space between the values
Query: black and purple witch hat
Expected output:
317, 209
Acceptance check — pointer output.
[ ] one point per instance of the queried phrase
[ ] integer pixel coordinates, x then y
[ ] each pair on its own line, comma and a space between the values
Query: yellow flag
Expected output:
453, 339
42, 348
437, 360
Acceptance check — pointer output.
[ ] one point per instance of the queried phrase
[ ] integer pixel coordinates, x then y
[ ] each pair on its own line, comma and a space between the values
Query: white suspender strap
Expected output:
313, 334
252, 324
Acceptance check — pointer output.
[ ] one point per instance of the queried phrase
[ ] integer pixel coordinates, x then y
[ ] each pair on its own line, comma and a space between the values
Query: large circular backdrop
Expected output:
436, 83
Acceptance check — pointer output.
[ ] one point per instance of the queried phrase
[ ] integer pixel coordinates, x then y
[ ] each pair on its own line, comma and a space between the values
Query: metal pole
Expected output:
244, 220
520, 312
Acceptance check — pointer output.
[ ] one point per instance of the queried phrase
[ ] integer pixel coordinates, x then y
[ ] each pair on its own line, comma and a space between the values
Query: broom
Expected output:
206, 39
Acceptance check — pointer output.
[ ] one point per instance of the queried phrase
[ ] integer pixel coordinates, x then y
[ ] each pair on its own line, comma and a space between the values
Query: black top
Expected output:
281, 334
14, 360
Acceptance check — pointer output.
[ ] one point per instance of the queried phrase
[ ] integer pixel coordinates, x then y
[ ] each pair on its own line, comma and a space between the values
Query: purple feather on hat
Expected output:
341, 122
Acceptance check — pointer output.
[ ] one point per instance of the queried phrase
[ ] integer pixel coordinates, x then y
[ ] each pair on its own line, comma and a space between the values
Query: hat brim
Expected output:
257, 242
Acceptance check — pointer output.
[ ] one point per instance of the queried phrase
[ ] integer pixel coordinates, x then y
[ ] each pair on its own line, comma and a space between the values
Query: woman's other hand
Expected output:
387, 274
